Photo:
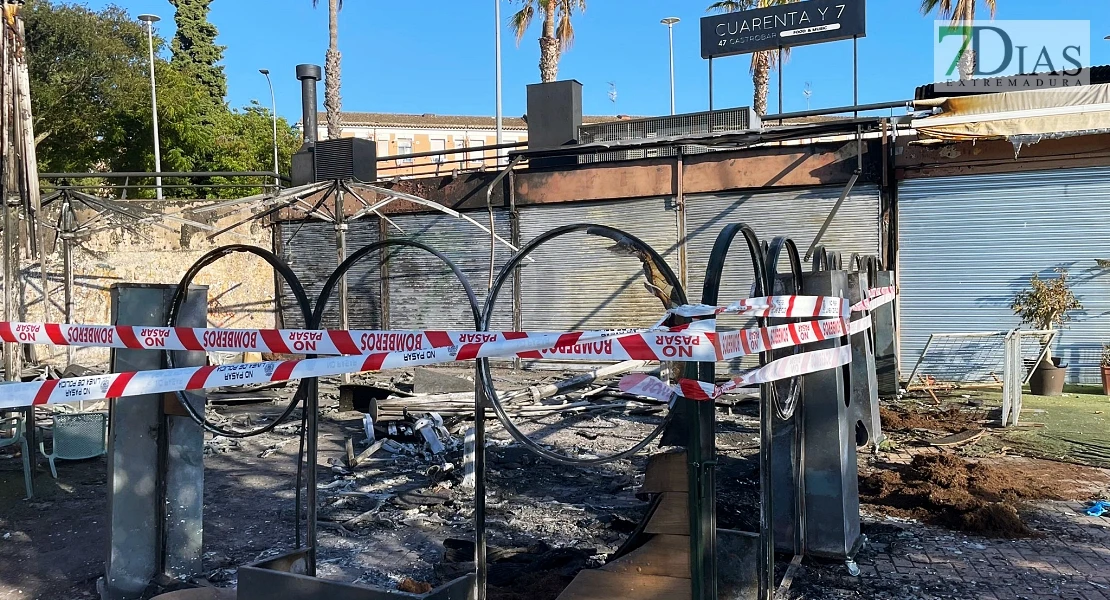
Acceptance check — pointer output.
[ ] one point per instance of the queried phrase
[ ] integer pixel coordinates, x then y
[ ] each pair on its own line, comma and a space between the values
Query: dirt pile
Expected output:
952, 420
947, 490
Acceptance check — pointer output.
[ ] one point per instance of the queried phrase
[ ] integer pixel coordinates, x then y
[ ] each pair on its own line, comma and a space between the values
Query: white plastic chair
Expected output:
11, 433
77, 436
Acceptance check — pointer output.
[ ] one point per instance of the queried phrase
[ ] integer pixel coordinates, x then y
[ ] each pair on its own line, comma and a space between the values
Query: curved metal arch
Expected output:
486, 377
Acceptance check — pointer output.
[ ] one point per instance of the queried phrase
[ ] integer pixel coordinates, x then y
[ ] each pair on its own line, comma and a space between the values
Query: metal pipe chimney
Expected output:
309, 75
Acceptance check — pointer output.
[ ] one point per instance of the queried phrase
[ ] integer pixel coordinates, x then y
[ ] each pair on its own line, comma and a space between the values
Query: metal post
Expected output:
780, 83
312, 432
497, 70
710, 84
855, 74
480, 491
150, 20
273, 108
669, 22
766, 500
341, 255
67, 265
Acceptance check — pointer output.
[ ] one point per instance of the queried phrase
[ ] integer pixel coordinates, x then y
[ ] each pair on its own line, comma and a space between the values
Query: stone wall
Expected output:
241, 286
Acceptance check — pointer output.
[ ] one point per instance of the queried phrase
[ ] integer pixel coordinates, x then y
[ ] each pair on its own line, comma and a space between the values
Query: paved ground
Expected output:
52, 548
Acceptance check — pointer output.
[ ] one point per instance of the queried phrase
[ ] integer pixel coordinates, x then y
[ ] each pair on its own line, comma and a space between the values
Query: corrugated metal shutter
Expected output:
795, 213
968, 244
576, 282
424, 293
309, 248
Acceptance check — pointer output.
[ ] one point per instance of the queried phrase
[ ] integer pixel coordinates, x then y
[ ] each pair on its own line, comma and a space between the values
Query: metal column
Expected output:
155, 456
832, 528
864, 396
886, 342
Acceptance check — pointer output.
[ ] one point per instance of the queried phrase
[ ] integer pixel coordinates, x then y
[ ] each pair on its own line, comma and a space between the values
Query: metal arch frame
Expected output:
178, 301
702, 501
312, 404
486, 377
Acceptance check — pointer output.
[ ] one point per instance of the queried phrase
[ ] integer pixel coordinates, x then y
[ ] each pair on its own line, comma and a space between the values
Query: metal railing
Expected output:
59, 181
400, 162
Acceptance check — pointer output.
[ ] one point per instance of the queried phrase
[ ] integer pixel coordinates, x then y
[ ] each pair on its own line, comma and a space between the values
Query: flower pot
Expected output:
1048, 379
1106, 380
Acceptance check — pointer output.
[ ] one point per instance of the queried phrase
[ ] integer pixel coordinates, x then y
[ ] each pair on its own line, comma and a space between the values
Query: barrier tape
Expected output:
783, 368
697, 342
771, 306
361, 342
876, 297
276, 341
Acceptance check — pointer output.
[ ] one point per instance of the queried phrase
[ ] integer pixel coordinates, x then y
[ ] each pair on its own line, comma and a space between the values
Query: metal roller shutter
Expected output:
576, 282
309, 248
968, 244
795, 213
424, 293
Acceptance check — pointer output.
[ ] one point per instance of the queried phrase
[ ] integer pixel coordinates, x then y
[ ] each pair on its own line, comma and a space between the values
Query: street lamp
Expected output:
497, 74
273, 105
150, 20
669, 22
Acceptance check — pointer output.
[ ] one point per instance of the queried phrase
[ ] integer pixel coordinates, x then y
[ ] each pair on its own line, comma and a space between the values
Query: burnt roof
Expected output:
428, 120
1099, 74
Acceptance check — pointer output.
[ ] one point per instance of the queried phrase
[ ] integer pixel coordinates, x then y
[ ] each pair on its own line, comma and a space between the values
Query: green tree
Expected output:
194, 46
90, 94
764, 61
85, 67
960, 12
332, 102
557, 34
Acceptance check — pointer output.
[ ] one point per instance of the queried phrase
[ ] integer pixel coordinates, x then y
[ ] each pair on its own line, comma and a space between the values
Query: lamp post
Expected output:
669, 22
273, 105
150, 20
497, 73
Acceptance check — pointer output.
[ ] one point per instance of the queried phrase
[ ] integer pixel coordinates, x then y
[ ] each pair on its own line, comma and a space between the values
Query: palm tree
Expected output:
764, 61
332, 103
960, 11
556, 38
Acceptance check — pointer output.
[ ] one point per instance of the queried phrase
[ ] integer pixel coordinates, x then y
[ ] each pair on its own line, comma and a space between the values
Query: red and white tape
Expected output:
771, 306
783, 368
276, 341
380, 350
876, 297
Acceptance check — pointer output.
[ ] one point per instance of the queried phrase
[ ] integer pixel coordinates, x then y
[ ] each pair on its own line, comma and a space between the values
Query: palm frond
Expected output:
564, 32
521, 20
727, 6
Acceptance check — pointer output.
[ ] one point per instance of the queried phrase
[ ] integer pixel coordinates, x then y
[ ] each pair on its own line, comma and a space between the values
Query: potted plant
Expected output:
1104, 365
1045, 305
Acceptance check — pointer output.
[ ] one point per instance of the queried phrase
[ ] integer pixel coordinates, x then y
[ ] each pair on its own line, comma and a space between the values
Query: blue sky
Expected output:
437, 57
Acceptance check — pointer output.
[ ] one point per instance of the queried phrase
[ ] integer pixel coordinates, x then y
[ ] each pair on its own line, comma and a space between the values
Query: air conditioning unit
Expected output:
348, 159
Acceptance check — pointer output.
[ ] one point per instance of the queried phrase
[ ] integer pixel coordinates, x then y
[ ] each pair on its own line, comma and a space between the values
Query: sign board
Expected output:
782, 26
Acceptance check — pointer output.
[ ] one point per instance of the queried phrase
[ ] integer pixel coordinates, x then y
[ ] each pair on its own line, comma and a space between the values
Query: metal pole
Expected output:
855, 74
766, 505
312, 431
780, 83
669, 22
497, 70
273, 105
481, 572
67, 266
710, 84
150, 20
341, 254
